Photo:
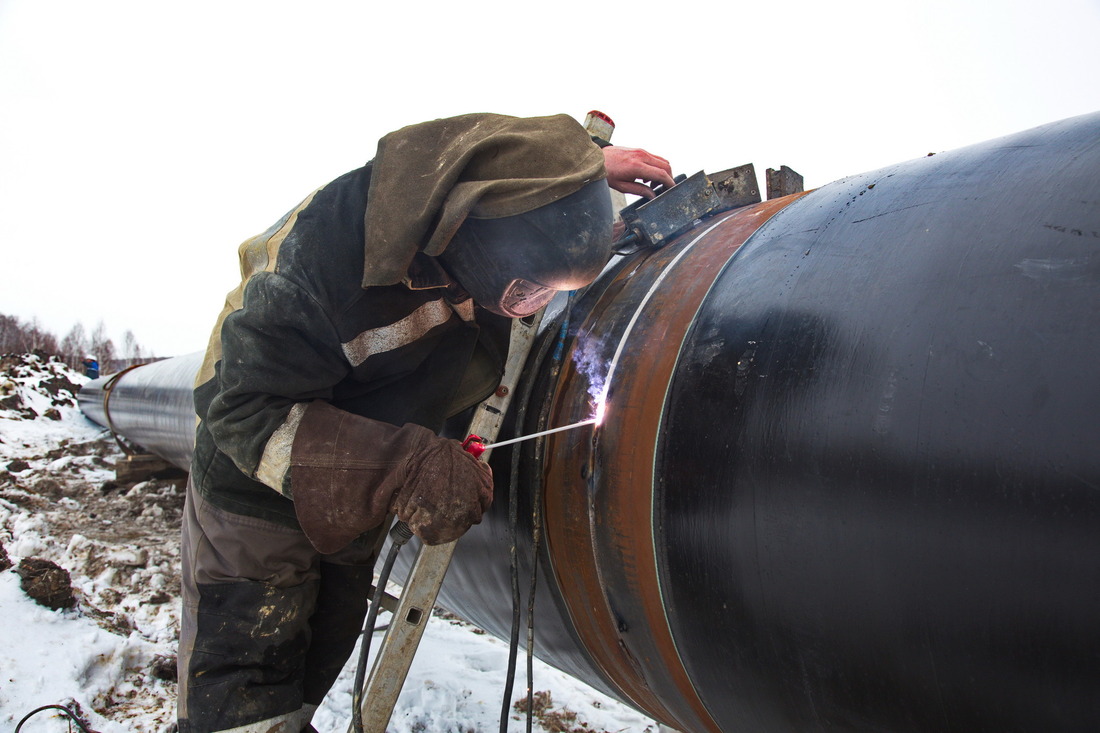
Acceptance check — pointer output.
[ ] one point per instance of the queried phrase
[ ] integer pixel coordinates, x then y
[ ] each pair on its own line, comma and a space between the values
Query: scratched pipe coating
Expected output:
848, 475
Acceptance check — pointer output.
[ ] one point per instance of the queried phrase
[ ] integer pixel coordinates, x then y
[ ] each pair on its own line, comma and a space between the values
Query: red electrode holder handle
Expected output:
474, 445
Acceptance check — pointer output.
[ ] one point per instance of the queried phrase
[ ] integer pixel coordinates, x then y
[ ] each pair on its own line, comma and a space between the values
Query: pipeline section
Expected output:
848, 475
152, 405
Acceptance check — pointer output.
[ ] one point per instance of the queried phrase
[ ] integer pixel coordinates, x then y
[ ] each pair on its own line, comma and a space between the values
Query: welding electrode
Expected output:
476, 446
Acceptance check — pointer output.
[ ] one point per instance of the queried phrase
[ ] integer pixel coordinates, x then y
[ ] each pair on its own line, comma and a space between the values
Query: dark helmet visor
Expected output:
514, 265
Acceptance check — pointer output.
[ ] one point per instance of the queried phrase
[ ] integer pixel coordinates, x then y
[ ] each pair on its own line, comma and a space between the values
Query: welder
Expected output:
367, 319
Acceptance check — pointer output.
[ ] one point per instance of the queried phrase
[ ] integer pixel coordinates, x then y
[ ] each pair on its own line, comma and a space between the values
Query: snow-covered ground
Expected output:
110, 656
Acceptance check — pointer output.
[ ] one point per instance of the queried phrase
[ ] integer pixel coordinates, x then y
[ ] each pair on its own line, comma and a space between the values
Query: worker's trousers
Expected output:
268, 623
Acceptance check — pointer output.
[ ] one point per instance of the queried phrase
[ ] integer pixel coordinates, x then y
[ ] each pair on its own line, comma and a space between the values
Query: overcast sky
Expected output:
142, 141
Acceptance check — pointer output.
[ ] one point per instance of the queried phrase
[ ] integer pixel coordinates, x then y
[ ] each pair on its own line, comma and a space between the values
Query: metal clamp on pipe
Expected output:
657, 221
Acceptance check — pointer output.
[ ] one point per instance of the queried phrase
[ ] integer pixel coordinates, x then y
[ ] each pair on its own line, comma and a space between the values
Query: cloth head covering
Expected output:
428, 177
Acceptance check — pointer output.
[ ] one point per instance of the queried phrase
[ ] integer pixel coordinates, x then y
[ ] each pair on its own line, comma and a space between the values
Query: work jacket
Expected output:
300, 327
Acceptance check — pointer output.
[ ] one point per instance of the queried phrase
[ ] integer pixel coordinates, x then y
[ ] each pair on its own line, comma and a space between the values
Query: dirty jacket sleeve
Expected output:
302, 329
279, 352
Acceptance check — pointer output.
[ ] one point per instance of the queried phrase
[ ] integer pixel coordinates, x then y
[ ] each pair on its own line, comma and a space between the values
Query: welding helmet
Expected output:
514, 265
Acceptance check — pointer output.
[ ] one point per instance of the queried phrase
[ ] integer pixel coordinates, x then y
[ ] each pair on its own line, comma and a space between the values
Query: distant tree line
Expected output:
17, 335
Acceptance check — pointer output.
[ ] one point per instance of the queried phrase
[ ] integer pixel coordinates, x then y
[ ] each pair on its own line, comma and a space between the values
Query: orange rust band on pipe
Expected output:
625, 445
108, 389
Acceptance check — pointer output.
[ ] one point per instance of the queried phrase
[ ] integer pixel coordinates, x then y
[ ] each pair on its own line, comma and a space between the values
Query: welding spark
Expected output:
599, 399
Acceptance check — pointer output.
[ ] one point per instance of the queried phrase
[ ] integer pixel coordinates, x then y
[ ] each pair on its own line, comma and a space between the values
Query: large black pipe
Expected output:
848, 477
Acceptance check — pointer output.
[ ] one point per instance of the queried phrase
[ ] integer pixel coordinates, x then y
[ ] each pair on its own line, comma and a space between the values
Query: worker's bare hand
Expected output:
627, 166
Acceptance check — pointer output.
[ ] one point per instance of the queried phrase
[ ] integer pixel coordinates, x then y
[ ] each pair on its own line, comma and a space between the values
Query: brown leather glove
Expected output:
446, 490
347, 473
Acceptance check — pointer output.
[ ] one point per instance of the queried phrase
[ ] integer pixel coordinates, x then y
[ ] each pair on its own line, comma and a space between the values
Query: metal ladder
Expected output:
391, 665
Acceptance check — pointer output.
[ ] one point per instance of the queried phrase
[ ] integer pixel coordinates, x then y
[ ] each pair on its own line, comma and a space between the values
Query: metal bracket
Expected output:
653, 222
783, 182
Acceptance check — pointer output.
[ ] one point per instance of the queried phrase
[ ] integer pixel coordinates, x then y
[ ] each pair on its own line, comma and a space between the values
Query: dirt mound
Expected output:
46, 582
83, 542
33, 385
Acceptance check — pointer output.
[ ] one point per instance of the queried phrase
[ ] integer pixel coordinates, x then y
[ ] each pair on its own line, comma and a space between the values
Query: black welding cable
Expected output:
513, 523
536, 510
399, 535
70, 713
536, 535
513, 566
513, 639
536, 532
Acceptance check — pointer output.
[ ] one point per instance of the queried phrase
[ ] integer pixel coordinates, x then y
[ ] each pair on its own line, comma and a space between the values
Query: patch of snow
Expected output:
54, 657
